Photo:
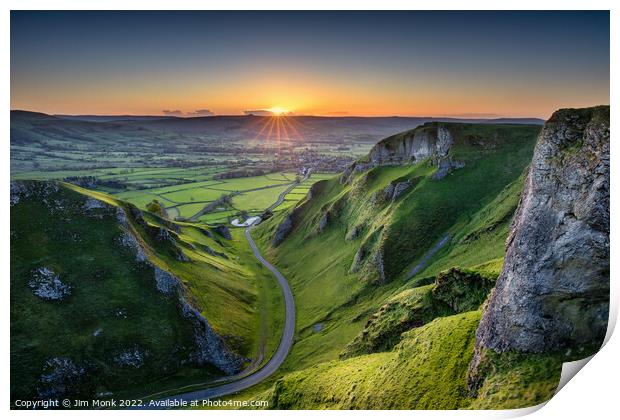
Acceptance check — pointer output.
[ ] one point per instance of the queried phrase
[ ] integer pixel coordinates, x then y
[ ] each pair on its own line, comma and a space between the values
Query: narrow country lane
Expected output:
268, 369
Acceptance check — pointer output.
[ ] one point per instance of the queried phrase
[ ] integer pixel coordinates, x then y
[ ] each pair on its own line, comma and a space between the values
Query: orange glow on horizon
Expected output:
278, 110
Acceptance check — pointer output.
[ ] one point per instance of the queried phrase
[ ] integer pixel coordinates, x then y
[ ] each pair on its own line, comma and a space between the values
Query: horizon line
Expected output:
481, 116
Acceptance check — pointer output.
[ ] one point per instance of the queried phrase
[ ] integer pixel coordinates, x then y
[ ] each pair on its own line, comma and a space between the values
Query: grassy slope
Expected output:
104, 277
317, 265
427, 370
103, 274
474, 205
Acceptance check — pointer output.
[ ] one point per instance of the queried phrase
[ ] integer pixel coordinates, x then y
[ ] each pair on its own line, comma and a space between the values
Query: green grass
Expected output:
257, 200
240, 299
83, 251
473, 205
427, 370
252, 194
518, 380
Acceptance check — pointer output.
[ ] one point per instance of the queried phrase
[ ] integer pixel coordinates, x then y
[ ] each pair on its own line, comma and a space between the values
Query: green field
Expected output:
251, 194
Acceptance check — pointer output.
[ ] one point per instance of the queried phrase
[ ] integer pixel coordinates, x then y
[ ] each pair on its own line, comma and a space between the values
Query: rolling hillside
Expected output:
392, 261
111, 301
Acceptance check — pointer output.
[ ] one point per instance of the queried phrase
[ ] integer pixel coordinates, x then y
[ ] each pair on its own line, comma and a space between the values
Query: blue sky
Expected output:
360, 63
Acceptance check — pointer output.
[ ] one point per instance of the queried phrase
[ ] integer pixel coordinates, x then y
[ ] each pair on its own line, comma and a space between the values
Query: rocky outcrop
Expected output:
431, 140
324, 221
553, 291
224, 232
354, 232
400, 188
47, 285
358, 260
133, 358
166, 283
210, 347
445, 166
283, 230
61, 378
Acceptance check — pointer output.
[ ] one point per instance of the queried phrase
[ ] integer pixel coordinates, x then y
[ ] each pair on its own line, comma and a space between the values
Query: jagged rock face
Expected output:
210, 348
445, 166
224, 232
553, 292
324, 221
283, 230
429, 141
420, 145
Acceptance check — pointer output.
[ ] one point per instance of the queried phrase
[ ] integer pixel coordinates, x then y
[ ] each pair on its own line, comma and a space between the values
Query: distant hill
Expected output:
108, 118
41, 141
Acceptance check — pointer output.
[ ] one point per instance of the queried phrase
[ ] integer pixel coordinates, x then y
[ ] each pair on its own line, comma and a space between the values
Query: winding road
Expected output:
268, 369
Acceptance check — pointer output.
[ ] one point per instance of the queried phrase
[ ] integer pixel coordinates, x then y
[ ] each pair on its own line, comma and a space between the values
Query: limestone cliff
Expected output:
553, 291
432, 140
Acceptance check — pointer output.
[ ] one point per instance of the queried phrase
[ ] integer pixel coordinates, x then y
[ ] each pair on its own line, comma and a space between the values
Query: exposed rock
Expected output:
129, 241
213, 252
354, 232
166, 282
47, 285
324, 221
164, 235
553, 291
223, 231
25, 189
432, 140
91, 204
378, 264
388, 191
120, 313
211, 348
357, 260
400, 188
445, 166
61, 378
283, 230
18, 190
121, 216
131, 358
180, 256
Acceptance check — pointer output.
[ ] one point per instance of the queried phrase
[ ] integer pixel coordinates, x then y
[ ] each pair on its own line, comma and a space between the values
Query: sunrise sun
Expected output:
277, 110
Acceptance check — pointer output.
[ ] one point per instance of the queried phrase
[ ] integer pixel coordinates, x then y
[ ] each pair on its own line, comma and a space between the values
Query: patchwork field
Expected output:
300, 191
184, 192
249, 194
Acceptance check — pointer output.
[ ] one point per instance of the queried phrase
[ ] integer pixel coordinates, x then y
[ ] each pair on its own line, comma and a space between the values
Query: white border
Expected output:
592, 395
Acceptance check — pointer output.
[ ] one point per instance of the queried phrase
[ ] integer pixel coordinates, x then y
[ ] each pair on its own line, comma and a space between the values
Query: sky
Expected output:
460, 64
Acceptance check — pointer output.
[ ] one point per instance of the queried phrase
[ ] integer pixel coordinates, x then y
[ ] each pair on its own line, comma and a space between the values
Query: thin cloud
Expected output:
201, 113
196, 113
259, 112
175, 113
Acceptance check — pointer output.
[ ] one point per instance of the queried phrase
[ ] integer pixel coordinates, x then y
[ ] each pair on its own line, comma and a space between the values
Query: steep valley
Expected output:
115, 302
369, 335
410, 272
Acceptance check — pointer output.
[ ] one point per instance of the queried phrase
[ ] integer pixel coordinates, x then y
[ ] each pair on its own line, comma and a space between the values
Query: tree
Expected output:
156, 207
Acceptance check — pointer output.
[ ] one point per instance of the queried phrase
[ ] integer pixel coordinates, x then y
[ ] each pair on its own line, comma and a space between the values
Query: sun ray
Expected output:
288, 121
